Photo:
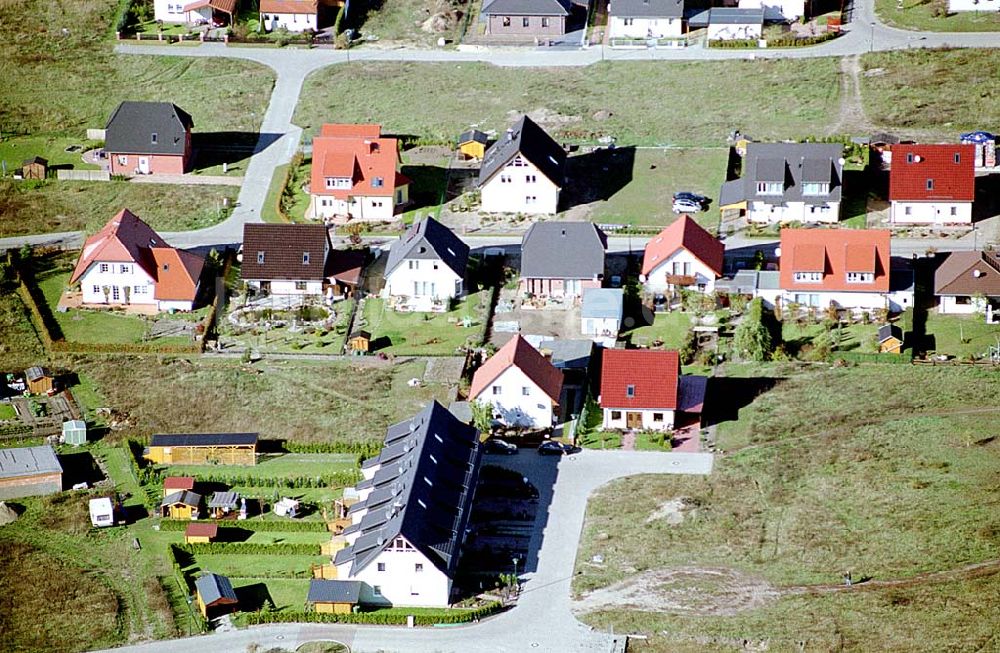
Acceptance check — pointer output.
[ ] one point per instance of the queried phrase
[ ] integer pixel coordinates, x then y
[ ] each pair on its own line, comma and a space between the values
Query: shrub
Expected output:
250, 548
256, 525
377, 617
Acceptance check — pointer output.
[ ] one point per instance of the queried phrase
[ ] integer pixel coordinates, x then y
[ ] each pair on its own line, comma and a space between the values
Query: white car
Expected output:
686, 206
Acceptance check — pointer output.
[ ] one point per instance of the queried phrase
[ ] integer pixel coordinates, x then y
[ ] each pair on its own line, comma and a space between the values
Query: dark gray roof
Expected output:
429, 239
423, 494
473, 135
526, 8
647, 8
735, 16
887, 331
533, 143
791, 164
28, 461
224, 500
187, 497
334, 591
568, 354
133, 124
203, 439
563, 250
35, 373
213, 587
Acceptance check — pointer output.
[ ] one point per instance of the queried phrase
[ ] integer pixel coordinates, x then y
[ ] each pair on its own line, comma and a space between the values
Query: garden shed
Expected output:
40, 380
334, 596
359, 342
200, 533
34, 168
472, 144
215, 595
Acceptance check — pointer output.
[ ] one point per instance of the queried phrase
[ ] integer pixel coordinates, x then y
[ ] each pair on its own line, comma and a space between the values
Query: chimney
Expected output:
510, 134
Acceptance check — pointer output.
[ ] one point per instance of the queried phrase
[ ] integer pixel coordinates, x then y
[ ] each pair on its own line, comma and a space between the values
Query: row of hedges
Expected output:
378, 617
251, 548
859, 357
343, 478
366, 449
783, 42
256, 525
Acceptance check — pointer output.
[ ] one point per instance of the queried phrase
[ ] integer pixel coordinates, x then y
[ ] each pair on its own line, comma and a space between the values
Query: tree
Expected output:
482, 416
752, 338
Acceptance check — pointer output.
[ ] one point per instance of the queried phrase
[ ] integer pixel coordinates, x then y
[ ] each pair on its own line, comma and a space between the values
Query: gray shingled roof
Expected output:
132, 125
284, 247
423, 490
568, 354
28, 461
334, 591
473, 135
533, 143
224, 500
887, 331
563, 250
526, 8
792, 164
186, 497
735, 16
429, 239
214, 587
647, 8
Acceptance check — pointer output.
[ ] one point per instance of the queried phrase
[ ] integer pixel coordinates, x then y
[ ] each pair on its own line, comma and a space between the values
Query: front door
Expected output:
144, 165
633, 420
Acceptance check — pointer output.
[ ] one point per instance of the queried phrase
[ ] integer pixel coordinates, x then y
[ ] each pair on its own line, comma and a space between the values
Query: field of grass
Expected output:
960, 335
285, 593
873, 470
671, 328
426, 334
400, 20
919, 15
31, 208
278, 466
926, 90
778, 99
298, 400
800, 338
14, 151
19, 347
259, 566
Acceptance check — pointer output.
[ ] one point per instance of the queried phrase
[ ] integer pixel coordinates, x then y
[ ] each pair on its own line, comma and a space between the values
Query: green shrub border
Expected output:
392, 616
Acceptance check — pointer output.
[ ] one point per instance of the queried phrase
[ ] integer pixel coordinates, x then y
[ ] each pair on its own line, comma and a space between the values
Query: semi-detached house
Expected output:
645, 19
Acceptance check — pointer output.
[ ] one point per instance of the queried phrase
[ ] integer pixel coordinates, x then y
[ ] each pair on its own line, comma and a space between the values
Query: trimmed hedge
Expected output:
858, 357
250, 548
256, 525
367, 449
395, 616
337, 479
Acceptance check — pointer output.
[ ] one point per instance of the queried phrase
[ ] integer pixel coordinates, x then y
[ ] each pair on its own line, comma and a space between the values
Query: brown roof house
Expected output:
526, 19
968, 282
285, 259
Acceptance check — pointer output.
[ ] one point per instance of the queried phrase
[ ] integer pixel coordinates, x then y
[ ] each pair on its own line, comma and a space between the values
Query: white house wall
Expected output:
648, 424
764, 212
400, 584
174, 305
821, 299
600, 326
366, 208
930, 212
509, 189
117, 276
169, 11
291, 22
432, 278
949, 305
644, 28
775, 10
512, 406
656, 281
288, 287
974, 5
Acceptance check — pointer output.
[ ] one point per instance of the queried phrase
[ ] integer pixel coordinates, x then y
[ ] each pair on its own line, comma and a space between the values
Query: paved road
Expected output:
542, 620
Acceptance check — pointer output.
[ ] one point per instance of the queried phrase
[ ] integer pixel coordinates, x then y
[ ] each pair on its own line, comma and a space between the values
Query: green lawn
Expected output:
960, 335
647, 196
288, 465
671, 328
425, 334
284, 340
29, 207
919, 15
14, 151
20, 346
285, 593
259, 566
800, 338
873, 470
777, 99
7, 412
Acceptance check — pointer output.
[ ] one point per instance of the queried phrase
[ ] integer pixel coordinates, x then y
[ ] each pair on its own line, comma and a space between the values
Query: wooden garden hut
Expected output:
181, 505
890, 339
359, 342
203, 448
40, 380
472, 144
223, 503
215, 595
334, 596
34, 168
200, 533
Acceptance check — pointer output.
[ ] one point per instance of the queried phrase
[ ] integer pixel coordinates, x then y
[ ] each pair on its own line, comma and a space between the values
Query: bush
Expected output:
250, 548
336, 479
393, 616
256, 525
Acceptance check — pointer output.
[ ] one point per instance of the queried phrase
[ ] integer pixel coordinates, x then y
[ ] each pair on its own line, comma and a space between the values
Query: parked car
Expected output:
700, 200
553, 448
502, 447
687, 206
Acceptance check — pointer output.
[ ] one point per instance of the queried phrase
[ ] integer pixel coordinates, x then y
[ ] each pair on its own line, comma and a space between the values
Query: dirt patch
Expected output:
673, 511
687, 591
546, 118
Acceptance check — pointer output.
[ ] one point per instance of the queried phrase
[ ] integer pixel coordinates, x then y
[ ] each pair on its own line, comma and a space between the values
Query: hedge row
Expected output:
378, 617
256, 525
251, 548
336, 479
859, 357
366, 449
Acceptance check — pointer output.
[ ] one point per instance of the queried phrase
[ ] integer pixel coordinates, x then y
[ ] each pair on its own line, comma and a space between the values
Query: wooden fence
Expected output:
83, 175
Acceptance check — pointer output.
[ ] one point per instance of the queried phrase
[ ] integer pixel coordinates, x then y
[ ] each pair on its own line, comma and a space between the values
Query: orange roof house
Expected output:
127, 263
683, 254
356, 174
639, 388
521, 384
932, 184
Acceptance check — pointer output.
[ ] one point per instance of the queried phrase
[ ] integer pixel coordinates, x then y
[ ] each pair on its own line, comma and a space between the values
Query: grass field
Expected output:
671, 328
298, 400
778, 99
919, 15
31, 208
20, 347
14, 151
926, 90
873, 470
286, 465
426, 334
960, 335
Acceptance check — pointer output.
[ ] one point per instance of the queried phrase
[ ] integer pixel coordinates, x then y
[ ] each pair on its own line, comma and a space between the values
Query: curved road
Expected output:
541, 621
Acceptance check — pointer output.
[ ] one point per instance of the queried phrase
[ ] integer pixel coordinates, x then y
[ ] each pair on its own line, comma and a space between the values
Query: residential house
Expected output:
968, 282
35, 168
785, 182
285, 259
426, 265
932, 184
526, 18
127, 263
682, 256
355, 175
985, 148
172, 484
215, 595
40, 380
523, 172
102, 512
199, 12
148, 138
203, 449
783, 11
472, 144
409, 526
645, 19
292, 15
734, 24
183, 504
639, 389
334, 596
562, 259
29, 471
523, 387
200, 533
890, 339
844, 268
601, 314
977, 6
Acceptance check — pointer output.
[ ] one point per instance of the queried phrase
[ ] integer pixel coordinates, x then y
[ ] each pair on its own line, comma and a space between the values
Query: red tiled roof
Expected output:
914, 165
178, 483
225, 6
834, 252
177, 274
358, 152
202, 529
688, 234
652, 374
518, 353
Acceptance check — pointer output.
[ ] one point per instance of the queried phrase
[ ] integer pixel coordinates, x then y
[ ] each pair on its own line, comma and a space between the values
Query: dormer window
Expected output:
337, 182
808, 277
815, 188
305, 258
154, 138
770, 188
260, 258
909, 157
860, 277
630, 391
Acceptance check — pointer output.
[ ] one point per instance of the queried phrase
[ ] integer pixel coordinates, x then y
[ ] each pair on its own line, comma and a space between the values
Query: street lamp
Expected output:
871, 44
515, 560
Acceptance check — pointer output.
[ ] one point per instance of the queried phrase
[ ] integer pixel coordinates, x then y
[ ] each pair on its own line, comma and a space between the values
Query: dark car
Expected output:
498, 446
553, 448
691, 197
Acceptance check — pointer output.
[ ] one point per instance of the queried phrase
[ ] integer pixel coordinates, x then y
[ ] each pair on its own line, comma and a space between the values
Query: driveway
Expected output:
542, 620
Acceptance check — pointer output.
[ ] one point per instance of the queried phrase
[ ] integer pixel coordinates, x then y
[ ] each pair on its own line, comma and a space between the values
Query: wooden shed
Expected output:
359, 342
215, 595
200, 533
472, 144
181, 505
34, 168
334, 596
890, 339
40, 380
203, 449
172, 484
